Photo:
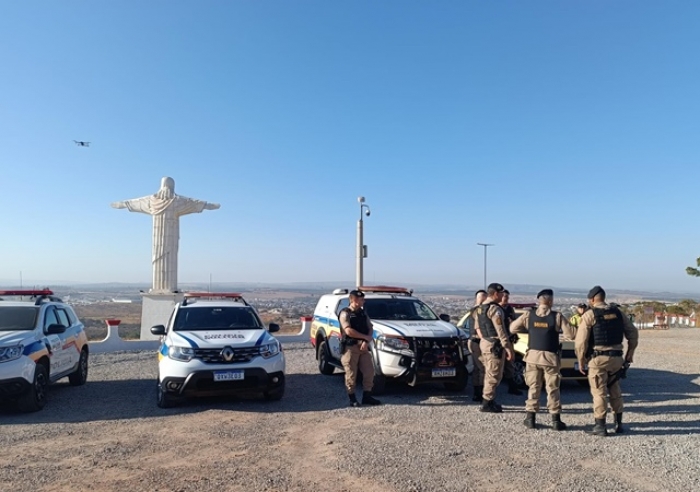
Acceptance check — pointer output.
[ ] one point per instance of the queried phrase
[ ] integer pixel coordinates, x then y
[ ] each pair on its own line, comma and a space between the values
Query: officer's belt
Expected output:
609, 353
475, 339
353, 341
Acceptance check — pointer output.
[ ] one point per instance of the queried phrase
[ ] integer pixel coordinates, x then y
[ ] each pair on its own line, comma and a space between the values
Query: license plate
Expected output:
444, 373
585, 368
228, 375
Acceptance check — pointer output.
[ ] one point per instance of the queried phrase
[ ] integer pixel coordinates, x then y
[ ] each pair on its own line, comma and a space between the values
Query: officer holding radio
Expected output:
356, 329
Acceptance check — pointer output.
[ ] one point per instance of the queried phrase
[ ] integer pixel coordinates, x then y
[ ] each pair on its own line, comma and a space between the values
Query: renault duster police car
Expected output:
410, 343
41, 341
215, 344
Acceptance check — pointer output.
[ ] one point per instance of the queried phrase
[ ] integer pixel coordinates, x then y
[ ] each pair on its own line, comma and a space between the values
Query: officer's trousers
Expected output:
493, 370
535, 377
352, 360
599, 370
477, 357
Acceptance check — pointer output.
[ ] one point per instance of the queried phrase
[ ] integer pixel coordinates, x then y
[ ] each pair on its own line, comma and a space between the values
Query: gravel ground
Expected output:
109, 435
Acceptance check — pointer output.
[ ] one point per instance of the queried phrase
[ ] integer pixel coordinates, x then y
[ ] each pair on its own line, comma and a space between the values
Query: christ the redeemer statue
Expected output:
166, 208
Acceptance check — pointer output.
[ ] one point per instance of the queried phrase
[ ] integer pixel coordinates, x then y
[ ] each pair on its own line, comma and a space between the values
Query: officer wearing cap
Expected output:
356, 329
508, 367
542, 358
495, 345
472, 326
599, 343
575, 319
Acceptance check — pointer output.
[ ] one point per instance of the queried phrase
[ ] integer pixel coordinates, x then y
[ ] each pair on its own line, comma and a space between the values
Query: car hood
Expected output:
9, 338
220, 338
423, 329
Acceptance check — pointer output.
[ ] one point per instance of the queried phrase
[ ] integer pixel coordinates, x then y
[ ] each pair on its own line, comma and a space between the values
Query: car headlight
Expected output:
11, 353
270, 349
395, 344
183, 354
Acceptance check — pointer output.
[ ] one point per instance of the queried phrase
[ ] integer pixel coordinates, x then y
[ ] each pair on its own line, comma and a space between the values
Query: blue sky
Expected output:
564, 132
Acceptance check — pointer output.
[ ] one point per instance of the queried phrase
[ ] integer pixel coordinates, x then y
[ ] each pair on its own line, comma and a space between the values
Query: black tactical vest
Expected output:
608, 328
488, 330
358, 321
508, 316
543, 333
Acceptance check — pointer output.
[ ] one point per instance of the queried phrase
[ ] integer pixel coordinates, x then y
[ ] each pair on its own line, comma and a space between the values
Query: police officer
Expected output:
508, 368
575, 319
599, 343
356, 329
495, 345
543, 357
472, 326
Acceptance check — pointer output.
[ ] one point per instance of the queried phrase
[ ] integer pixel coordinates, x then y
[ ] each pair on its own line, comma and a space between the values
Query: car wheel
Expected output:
35, 399
274, 395
324, 365
163, 399
79, 377
458, 384
519, 372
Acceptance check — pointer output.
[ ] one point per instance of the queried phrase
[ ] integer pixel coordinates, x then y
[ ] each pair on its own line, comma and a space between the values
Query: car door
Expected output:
54, 342
68, 338
334, 341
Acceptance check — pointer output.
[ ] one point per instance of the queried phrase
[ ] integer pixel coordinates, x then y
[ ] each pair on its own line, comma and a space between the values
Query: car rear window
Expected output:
18, 317
216, 318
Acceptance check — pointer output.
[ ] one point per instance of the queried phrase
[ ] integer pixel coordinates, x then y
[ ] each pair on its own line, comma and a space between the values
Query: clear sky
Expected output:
567, 133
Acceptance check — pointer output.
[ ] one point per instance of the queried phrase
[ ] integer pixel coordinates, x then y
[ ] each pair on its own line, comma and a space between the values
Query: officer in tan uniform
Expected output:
543, 357
495, 345
356, 329
472, 325
509, 368
599, 343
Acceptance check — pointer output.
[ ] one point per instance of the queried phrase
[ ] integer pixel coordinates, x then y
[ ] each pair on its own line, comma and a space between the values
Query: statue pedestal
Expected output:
156, 310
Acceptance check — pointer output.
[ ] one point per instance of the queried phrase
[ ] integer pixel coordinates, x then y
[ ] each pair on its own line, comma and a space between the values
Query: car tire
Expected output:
458, 384
35, 399
324, 365
163, 399
80, 375
274, 395
519, 372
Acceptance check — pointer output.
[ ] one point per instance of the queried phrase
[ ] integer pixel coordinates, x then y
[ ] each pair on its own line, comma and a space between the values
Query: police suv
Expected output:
410, 343
215, 344
41, 341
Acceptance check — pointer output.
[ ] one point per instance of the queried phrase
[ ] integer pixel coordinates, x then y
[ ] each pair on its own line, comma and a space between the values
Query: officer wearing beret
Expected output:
508, 367
542, 358
356, 329
599, 343
495, 345
472, 326
575, 319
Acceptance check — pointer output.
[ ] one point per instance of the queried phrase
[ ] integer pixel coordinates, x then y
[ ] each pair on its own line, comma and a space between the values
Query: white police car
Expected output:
41, 341
411, 343
215, 344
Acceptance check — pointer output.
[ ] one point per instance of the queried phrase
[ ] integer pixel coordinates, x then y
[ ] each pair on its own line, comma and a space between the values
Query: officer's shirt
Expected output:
541, 357
345, 322
584, 331
495, 314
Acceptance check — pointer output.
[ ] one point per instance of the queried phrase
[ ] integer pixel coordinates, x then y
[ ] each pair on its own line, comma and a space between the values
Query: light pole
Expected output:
485, 245
361, 252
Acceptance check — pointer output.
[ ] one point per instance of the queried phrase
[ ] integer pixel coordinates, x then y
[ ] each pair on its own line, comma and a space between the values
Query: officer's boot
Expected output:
368, 399
618, 423
599, 428
353, 400
490, 406
530, 420
513, 388
478, 391
557, 424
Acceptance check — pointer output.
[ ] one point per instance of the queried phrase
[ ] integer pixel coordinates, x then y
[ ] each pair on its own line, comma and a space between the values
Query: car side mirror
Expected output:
158, 330
55, 329
273, 327
445, 317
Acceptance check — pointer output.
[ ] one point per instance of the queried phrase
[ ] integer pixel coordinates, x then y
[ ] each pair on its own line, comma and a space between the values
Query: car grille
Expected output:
215, 356
437, 352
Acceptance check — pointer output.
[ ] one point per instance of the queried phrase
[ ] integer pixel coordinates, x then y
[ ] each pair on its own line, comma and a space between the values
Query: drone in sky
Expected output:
81, 144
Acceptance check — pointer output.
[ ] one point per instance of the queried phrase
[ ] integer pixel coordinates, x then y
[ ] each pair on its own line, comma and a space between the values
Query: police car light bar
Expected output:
43, 292
386, 289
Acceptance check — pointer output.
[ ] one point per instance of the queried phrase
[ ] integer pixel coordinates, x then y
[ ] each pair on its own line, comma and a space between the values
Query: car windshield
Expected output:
18, 317
398, 309
216, 318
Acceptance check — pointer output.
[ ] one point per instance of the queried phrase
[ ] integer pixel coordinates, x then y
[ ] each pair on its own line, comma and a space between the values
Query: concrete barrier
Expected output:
114, 343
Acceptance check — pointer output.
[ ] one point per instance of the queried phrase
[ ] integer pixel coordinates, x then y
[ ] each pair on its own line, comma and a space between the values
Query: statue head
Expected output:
167, 188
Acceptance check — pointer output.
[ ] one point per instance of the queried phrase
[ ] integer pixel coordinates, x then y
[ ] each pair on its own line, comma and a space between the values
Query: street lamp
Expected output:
361, 248
485, 245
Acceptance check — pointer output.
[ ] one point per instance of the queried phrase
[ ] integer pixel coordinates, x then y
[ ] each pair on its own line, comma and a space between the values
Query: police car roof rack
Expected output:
235, 296
40, 295
386, 289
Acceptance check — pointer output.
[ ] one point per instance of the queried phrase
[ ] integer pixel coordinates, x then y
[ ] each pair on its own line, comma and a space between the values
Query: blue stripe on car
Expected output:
33, 347
191, 342
260, 340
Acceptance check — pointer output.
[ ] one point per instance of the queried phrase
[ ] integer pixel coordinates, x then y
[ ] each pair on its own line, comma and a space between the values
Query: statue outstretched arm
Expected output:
118, 204
211, 206
142, 205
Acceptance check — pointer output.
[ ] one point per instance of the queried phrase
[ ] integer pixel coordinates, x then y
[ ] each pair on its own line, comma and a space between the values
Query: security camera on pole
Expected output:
361, 252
